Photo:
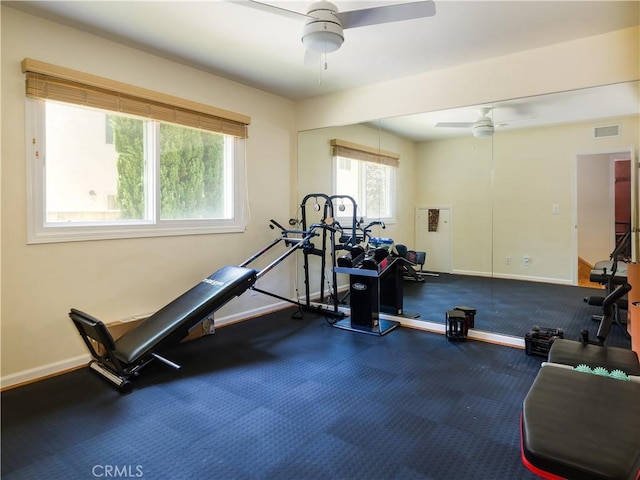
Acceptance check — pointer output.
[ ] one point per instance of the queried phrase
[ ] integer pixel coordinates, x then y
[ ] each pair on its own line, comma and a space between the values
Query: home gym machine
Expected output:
120, 360
301, 239
375, 276
327, 242
375, 284
612, 273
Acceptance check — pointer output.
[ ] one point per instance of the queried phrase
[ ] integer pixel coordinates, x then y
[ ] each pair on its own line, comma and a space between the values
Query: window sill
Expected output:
61, 234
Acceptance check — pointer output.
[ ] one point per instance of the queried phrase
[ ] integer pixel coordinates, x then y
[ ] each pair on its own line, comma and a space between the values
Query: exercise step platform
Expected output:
581, 426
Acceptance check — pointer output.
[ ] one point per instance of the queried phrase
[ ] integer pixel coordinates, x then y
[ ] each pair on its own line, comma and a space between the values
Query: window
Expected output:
145, 177
362, 173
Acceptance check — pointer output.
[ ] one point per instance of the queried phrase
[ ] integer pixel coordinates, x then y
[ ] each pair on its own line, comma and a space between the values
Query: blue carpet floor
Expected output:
510, 307
278, 398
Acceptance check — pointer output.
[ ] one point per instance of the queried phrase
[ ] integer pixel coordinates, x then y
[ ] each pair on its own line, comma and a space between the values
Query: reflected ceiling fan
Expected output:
324, 24
483, 126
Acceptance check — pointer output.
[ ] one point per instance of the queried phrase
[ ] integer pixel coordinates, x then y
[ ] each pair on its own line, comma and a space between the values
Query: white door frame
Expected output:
439, 207
634, 202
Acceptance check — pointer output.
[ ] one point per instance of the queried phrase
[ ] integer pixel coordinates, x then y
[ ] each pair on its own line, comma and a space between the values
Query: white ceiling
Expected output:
596, 104
264, 50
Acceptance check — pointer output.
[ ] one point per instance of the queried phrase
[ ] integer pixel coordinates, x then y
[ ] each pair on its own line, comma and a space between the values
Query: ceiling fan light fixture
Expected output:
483, 128
323, 33
323, 37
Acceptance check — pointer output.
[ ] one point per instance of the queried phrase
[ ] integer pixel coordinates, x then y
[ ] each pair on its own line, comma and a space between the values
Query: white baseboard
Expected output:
508, 276
529, 278
56, 368
44, 371
472, 273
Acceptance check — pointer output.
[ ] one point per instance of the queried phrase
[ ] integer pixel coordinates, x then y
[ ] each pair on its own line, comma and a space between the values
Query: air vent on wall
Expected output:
607, 131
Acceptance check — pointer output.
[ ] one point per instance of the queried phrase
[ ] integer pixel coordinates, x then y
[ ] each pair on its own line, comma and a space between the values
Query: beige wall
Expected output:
457, 173
534, 170
117, 279
597, 60
510, 215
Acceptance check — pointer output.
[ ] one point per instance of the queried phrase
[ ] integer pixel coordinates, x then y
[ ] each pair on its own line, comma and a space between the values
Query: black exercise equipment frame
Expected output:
173, 322
302, 242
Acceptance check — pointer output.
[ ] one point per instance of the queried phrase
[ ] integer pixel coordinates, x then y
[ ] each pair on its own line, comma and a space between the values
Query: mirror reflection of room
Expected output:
522, 213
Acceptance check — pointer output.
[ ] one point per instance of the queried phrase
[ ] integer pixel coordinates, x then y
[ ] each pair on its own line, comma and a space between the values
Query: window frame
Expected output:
41, 231
361, 164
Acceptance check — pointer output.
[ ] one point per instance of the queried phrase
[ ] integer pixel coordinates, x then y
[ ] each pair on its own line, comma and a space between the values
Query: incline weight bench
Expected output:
119, 360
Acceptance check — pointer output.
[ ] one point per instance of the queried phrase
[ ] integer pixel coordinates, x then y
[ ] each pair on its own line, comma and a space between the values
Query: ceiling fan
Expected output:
483, 126
324, 23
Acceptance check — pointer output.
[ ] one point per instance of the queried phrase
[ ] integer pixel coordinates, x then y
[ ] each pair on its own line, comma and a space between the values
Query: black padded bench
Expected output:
603, 272
573, 353
581, 426
119, 360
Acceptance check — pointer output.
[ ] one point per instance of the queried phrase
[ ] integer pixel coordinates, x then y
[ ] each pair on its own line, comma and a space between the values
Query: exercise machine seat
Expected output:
118, 361
601, 272
574, 353
172, 323
581, 426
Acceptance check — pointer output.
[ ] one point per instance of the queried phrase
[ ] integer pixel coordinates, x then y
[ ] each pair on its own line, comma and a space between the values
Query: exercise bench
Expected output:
118, 361
596, 353
581, 426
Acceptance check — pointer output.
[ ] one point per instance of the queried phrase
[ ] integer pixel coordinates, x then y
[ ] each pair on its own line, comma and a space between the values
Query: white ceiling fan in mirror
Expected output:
484, 126
583, 105
323, 24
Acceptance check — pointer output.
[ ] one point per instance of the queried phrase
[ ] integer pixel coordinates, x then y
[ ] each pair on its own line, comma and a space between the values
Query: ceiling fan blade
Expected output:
455, 124
386, 14
512, 120
265, 7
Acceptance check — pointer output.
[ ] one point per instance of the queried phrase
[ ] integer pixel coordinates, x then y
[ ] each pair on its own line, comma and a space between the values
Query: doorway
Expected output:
603, 206
433, 236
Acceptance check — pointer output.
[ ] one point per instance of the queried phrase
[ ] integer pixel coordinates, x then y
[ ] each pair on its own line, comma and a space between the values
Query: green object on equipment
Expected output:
583, 368
603, 372
620, 375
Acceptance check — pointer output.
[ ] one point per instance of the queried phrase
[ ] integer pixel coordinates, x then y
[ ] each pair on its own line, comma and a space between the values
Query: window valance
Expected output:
51, 82
342, 148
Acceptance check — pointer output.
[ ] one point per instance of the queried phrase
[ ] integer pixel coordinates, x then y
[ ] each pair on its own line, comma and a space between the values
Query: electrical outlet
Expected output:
526, 260
208, 326
507, 260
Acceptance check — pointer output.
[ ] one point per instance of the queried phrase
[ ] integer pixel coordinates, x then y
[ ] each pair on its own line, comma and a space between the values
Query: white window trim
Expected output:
392, 201
38, 231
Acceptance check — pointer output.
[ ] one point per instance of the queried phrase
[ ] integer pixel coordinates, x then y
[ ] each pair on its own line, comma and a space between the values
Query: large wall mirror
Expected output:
530, 201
